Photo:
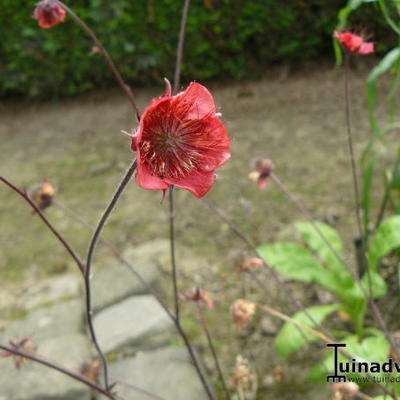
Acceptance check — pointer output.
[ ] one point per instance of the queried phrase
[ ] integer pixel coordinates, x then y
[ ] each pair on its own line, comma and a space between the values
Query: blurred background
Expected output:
226, 40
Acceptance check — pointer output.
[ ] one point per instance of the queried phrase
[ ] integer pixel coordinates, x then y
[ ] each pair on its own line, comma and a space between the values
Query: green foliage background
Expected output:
226, 39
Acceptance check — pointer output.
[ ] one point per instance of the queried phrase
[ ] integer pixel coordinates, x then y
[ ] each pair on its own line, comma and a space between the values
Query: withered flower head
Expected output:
198, 294
241, 374
242, 312
345, 390
42, 194
26, 345
249, 264
262, 172
48, 13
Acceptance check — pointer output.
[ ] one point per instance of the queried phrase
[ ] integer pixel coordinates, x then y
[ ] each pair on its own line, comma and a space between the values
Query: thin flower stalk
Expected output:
64, 371
357, 204
92, 246
180, 48
99, 45
213, 351
172, 250
153, 292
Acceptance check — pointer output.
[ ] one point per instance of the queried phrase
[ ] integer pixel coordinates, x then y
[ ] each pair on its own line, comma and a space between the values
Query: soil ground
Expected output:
298, 122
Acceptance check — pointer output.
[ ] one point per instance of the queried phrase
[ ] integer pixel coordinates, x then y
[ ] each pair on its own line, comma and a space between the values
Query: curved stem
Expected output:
69, 249
212, 349
61, 369
124, 86
153, 292
92, 247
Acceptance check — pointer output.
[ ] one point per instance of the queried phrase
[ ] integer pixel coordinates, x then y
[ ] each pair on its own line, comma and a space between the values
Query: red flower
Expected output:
354, 43
48, 13
180, 141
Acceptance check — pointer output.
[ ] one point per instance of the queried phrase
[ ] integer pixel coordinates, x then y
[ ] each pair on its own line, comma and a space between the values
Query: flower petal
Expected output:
146, 117
147, 181
214, 144
201, 100
366, 48
198, 183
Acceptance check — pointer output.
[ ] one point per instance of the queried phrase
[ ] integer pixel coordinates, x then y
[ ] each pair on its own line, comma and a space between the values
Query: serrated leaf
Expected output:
385, 240
291, 260
291, 337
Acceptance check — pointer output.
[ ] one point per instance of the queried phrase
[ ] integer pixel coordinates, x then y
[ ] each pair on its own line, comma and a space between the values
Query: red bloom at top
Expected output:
48, 13
180, 141
354, 43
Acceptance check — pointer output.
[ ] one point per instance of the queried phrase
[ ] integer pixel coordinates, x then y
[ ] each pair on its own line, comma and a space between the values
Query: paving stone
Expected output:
116, 282
166, 372
52, 290
47, 322
137, 321
36, 382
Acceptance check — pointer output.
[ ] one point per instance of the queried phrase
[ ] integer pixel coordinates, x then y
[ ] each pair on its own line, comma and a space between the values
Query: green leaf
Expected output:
384, 397
291, 337
384, 65
378, 284
291, 260
385, 240
311, 234
337, 278
374, 348
345, 11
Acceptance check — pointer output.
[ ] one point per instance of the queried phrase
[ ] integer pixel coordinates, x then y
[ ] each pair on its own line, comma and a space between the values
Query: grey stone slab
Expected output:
52, 290
116, 282
36, 382
166, 372
137, 321
47, 322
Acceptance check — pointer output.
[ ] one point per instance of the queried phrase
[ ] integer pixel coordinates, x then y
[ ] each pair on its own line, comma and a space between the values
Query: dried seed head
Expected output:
242, 312
345, 390
262, 172
26, 345
198, 294
249, 264
42, 194
242, 374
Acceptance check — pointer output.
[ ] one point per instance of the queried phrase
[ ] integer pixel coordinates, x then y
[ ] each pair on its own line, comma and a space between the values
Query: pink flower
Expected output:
180, 141
354, 43
48, 13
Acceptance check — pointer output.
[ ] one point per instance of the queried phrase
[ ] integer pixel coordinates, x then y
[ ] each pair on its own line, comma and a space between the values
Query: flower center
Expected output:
169, 147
